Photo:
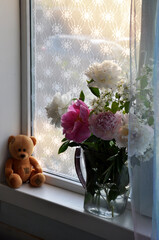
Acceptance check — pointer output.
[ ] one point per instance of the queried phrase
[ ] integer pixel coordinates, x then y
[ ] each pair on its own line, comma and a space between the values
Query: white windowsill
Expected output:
67, 207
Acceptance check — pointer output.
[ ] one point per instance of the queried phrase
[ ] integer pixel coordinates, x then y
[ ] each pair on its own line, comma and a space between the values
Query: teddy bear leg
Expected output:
14, 180
37, 179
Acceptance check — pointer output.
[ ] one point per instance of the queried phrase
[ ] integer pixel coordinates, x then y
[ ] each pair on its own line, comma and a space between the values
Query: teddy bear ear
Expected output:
11, 139
33, 139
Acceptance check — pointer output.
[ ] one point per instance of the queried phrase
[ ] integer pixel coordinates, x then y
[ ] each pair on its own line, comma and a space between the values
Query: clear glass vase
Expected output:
99, 205
105, 196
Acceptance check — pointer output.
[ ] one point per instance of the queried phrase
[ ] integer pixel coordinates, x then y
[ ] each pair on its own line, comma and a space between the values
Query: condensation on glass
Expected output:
68, 36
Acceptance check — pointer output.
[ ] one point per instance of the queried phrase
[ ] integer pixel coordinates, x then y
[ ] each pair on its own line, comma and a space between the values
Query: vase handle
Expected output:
78, 167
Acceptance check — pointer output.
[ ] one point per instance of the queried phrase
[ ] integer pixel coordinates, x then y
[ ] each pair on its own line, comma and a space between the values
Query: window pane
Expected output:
68, 36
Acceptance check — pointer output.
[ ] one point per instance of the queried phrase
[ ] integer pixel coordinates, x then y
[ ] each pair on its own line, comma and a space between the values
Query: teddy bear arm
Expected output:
35, 164
8, 167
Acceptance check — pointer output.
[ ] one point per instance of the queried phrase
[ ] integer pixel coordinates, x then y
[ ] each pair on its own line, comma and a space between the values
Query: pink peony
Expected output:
75, 122
105, 125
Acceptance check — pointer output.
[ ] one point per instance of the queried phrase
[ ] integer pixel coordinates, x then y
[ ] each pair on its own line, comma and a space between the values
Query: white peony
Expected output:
104, 75
58, 107
140, 136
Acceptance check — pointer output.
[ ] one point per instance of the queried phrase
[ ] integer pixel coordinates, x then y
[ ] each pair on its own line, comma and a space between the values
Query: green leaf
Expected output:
113, 193
106, 177
117, 96
90, 81
114, 107
126, 105
143, 82
147, 104
64, 140
124, 177
107, 108
95, 91
91, 145
92, 138
111, 143
82, 96
73, 144
142, 95
107, 104
112, 158
151, 121
118, 165
63, 147
109, 169
123, 190
148, 69
138, 78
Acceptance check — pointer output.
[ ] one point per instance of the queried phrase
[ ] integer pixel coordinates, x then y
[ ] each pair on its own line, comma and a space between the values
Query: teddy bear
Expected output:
22, 167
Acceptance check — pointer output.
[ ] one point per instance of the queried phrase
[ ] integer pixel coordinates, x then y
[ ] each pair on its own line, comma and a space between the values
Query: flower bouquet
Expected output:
100, 129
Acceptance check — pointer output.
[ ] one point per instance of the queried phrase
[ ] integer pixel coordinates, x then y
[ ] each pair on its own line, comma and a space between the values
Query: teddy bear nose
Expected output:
22, 155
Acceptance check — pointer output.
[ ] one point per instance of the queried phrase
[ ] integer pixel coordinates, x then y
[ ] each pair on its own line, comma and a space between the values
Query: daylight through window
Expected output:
68, 36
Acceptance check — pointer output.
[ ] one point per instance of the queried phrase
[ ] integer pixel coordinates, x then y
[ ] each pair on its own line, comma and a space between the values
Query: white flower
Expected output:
58, 107
140, 136
104, 75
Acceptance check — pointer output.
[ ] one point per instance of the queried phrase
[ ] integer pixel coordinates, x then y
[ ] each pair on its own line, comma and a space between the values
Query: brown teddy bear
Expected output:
22, 167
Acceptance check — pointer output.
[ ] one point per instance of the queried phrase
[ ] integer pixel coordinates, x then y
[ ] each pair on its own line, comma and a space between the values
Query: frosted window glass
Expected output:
68, 36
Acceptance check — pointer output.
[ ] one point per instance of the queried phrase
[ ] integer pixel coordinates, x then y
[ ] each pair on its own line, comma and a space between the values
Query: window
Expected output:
67, 36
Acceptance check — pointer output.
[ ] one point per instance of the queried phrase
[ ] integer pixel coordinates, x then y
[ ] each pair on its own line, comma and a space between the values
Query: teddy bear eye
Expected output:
19, 150
24, 150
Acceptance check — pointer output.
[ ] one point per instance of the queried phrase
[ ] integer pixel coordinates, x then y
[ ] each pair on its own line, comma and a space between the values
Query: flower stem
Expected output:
112, 210
109, 204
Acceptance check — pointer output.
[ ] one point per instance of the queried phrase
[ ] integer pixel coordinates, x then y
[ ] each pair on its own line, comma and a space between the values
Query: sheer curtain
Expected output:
155, 218
144, 119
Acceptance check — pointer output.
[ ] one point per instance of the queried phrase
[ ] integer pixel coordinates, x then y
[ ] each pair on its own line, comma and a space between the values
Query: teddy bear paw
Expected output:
37, 180
14, 180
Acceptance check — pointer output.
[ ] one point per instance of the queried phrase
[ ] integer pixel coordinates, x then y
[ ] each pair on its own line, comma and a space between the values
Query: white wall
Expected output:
10, 124
9, 75
32, 224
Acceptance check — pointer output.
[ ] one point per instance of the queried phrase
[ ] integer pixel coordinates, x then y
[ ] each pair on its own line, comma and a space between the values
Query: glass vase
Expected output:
99, 205
105, 196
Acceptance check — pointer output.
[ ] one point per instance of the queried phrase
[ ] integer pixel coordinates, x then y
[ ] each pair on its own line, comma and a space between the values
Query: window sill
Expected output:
67, 207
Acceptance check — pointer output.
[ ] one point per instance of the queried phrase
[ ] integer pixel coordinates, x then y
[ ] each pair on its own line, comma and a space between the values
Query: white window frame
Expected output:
26, 94
25, 67
25, 16
102, 228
